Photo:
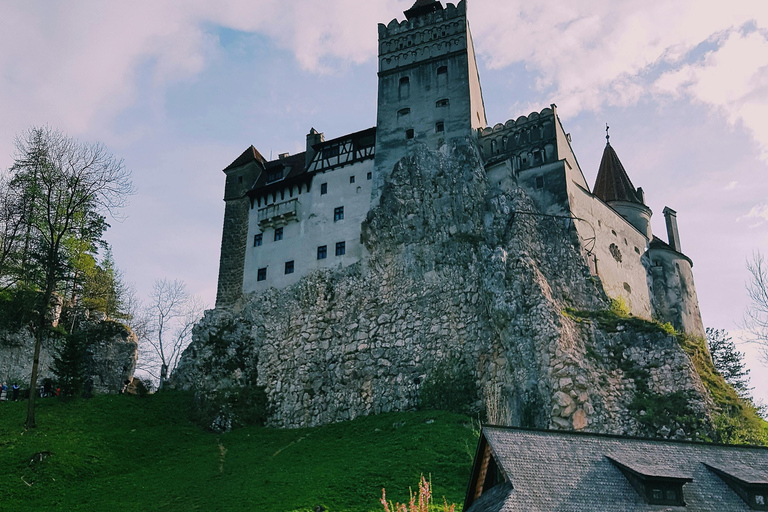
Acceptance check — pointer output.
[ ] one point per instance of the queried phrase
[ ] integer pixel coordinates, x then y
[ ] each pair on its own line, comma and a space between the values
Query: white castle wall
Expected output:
314, 227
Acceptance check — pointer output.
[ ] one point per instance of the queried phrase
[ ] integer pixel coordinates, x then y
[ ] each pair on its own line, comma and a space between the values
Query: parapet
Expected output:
395, 27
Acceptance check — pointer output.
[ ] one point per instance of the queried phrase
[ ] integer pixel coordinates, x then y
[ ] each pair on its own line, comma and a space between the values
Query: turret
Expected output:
429, 88
615, 188
241, 176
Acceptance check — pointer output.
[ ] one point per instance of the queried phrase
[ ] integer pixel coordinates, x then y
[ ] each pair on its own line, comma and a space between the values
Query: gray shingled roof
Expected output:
552, 471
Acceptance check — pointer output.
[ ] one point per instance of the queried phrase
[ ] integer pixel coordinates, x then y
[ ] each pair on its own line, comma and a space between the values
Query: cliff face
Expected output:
459, 273
110, 355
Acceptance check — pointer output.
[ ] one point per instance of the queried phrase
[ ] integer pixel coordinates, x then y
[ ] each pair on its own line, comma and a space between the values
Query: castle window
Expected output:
409, 133
442, 103
338, 213
369, 176
404, 91
442, 70
351, 179
403, 112
341, 248
261, 275
289, 267
322, 252
323, 189
539, 181
257, 239
537, 158
439, 127
239, 179
278, 234
330, 152
274, 176
494, 148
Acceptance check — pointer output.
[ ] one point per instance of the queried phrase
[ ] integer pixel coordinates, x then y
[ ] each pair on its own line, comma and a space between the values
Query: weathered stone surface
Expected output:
457, 268
112, 354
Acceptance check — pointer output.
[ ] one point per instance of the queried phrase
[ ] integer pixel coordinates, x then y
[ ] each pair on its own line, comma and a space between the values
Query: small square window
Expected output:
322, 252
278, 234
369, 176
239, 179
323, 189
439, 126
351, 179
657, 494
409, 133
759, 499
670, 495
341, 248
338, 213
257, 239
289, 267
261, 275
539, 181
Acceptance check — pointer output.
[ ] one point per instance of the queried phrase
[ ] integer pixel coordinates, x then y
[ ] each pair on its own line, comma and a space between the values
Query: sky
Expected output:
179, 89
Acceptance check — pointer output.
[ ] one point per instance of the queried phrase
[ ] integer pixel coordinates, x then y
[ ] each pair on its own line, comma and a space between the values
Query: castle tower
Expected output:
241, 175
614, 187
429, 87
673, 293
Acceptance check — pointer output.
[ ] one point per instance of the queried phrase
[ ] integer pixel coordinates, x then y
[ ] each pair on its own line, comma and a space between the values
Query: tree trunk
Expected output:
41, 325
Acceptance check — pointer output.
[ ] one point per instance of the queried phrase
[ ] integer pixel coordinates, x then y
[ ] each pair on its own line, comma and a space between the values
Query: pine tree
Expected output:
729, 361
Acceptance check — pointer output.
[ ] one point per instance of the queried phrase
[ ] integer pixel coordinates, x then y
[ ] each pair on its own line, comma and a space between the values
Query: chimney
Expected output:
673, 235
641, 194
313, 137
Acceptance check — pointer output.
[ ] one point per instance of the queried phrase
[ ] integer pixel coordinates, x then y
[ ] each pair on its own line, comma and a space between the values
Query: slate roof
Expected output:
658, 243
293, 167
551, 471
613, 183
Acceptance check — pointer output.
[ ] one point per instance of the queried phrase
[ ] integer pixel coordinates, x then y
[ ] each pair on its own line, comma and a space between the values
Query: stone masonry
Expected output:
456, 271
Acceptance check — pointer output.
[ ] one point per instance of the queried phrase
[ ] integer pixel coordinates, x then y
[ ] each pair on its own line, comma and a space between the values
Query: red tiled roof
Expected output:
249, 155
612, 183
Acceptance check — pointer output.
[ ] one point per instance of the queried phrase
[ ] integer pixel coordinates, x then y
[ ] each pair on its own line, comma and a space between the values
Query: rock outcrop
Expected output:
458, 270
111, 352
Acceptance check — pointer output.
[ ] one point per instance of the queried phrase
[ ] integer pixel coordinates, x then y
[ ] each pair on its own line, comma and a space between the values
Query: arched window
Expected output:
442, 103
442, 70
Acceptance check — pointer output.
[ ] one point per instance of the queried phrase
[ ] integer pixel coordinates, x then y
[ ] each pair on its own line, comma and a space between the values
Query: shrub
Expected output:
450, 387
225, 409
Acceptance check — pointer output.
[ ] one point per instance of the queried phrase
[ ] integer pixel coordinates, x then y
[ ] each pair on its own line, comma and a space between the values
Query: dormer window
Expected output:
750, 484
274, 176
656, 485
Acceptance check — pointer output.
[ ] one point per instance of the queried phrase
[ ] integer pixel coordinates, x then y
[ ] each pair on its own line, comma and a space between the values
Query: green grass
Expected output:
132, 454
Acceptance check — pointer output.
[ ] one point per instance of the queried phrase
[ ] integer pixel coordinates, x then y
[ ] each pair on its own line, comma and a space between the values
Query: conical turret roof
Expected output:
613, 183
422, 7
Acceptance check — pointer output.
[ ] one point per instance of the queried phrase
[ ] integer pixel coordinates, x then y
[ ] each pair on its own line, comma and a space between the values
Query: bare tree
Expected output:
66, 189
165, 327
756, 317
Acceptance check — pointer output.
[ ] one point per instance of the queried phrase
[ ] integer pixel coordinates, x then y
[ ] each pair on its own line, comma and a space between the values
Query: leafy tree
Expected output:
62, 191
728, 361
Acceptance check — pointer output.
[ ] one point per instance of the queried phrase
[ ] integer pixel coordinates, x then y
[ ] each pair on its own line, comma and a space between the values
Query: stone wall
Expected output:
234, 239
453, 274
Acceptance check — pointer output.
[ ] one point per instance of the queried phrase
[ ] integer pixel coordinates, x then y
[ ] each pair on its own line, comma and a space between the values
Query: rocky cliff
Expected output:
464, 278
110, 353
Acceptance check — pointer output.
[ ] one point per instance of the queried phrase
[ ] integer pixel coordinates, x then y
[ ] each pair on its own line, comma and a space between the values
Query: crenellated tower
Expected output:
429, 87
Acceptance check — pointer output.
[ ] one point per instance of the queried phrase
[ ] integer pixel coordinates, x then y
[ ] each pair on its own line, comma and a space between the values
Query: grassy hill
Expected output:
143, 454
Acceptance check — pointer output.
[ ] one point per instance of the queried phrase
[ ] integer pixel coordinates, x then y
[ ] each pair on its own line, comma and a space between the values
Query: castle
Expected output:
288, 217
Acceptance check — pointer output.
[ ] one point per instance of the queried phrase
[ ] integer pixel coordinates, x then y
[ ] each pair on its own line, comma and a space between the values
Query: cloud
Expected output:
731, 186
77, 64
758, 213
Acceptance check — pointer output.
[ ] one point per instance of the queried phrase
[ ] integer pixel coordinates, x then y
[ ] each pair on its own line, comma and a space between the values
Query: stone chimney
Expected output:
673, 235
313, 137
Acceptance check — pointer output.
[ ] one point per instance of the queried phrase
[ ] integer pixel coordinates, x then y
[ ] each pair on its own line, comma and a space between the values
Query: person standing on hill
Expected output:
3, 392
15, 389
